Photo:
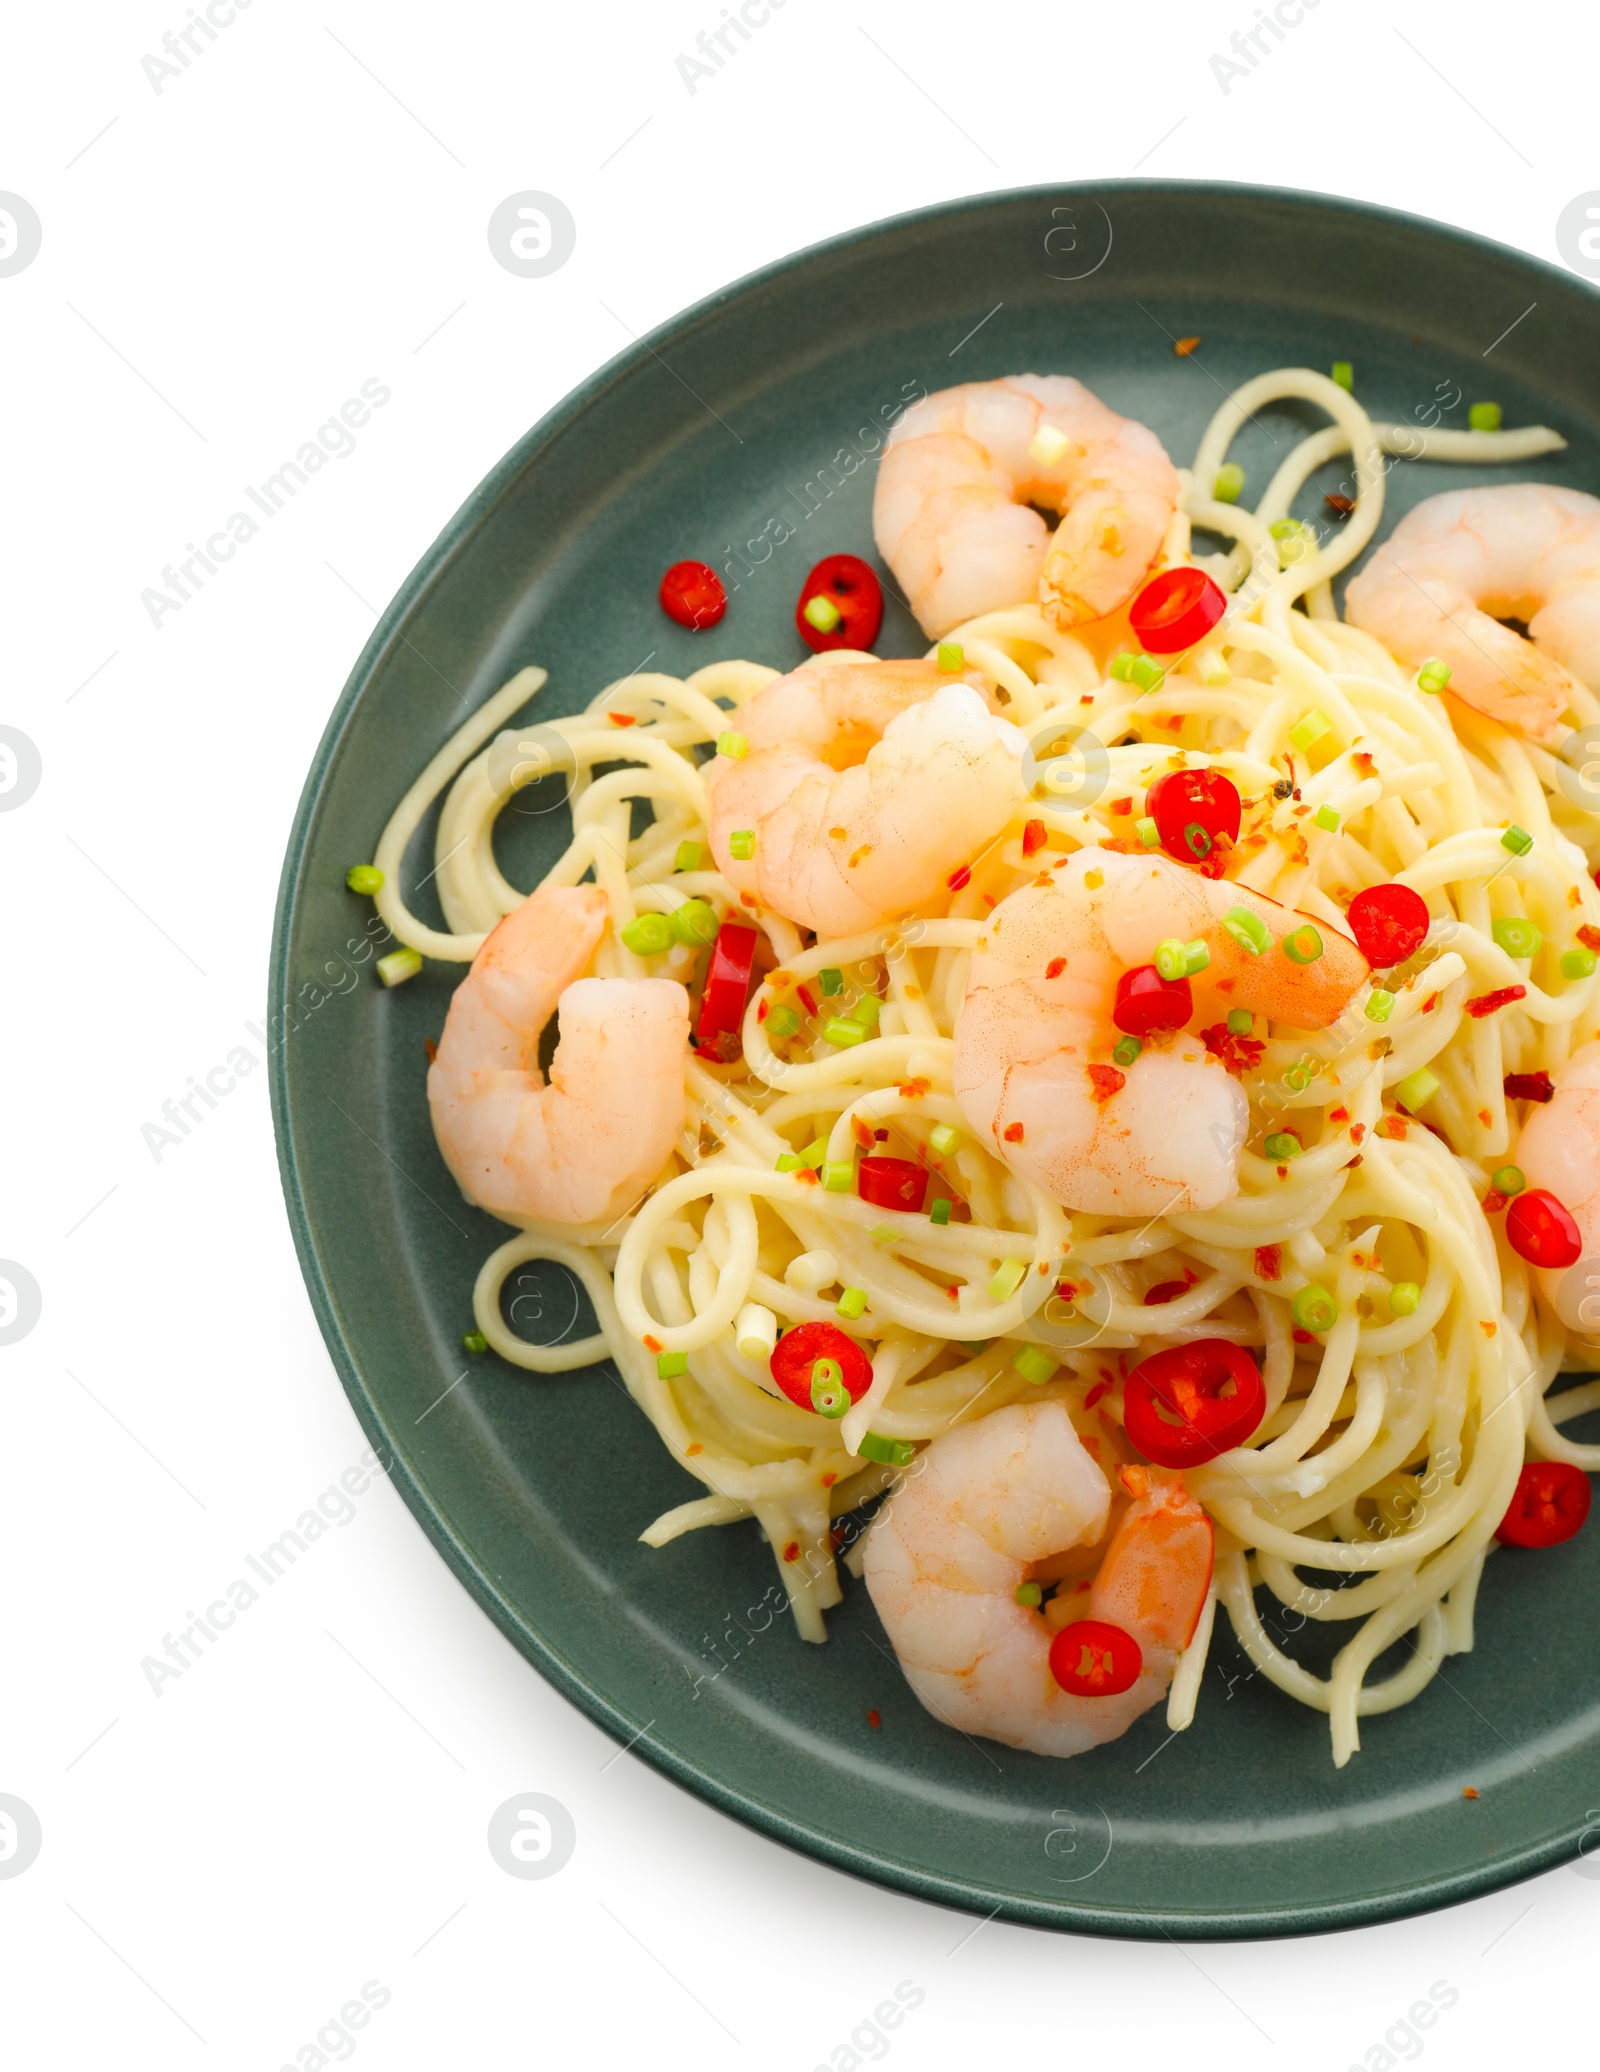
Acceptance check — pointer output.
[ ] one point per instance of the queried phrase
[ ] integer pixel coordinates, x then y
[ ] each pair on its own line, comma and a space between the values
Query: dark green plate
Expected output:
746, 419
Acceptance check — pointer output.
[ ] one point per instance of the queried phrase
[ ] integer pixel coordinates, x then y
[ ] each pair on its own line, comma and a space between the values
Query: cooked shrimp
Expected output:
1559, 1149
952, 517
1033, 1067
866, 785
983, 1505
1460, 563
581, 1149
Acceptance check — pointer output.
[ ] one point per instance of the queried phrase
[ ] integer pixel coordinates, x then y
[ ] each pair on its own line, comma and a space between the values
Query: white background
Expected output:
302, 209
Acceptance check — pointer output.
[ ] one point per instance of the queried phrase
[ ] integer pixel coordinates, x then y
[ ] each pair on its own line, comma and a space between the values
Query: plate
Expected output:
744, 433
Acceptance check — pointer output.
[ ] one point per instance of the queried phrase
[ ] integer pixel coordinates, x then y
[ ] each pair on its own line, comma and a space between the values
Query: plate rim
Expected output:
960, 1894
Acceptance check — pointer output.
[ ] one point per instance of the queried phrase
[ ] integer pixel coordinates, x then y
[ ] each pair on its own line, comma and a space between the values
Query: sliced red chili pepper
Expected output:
892, 1183
693, 595
727, 985
1491, 1003
1540, 1229
1145, 1001
1193, 810
1093, 1659
855, 594
1388, 923
1548, 1505
1192, 1402
1175, 609
798, 1351
1529, 1086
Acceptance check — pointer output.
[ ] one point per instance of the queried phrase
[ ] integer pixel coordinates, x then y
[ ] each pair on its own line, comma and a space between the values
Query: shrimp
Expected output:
1559, 1149
581, 1149
1459, 563
866, 785
952, 509
1033, 1070
984, 1504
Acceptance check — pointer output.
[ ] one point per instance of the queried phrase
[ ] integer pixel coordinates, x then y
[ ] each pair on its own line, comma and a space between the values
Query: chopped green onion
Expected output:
951, 657
1509, 1181
1008, 1280
755, 1331
1302, 945
1295, 541
1517, 936
689, 857
1417, 1089
888, 1453
942, 1139
1517, 840
822, 613
1148, 832
815, 1153
732, 745
1122, 665
364, 877
881, 1234
788, 1162
830, 979
398, 966
1282, 1145
838, 1175
1326, 819
1172, 959
1126, 1051
1484, 417
1314, 1309
1211, 666
851, 1303
1196, 956
1229, 482
1380, 1005
1307, 732
940, 1212
1404, 1297
1433, 676
1344, 375
670, 1365
1034, 1364
866, 1010
742, 844
474, 1341
842, 1032
1147, 673
1029, 1593
1240, 1021
1577, 963
783, 1022
1297, 1078
648, 935
1248, 930
829, 1396
694, 923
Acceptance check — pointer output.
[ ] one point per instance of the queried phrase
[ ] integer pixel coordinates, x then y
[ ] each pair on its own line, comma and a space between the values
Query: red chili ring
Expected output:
1388, 923
1192, 809
1145, 1001
1175, 609
1541, 1230
892, 1183
727, 986
693, 595
1093, 1659
1548, 1505
798, 1351
1176, 1411
855, 594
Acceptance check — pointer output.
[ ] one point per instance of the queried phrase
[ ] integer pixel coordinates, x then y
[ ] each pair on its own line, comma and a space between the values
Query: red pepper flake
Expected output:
954, 1294
1491, 1003
1106, 1081
1430, 1003
1165, 1291
875, 1719
1357, 1131
807, 1176
880, 1136
623, 719
792, 1551
829, 1479
1493, 1202
1012, 1133
862, 1132
1486, 1328
1135, 1478
1184, 346
1034, 835
988, 899
652, 1345
1470, 1791
914, 1089
1340, 1114
761, 1011
1590, 938
1055, 967
1240, 1054
1340, 506
960, 878
1393, 1126
1529, 1086
1302, 1338
431, 1048
808, 999
1119, 807
1269, 1262
1100, 1389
